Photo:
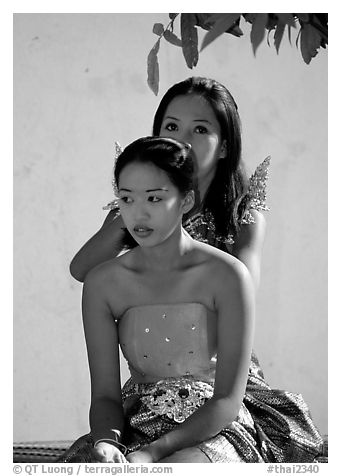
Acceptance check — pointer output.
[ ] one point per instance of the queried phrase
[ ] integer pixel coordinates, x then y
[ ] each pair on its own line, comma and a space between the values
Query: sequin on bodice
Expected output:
169, 340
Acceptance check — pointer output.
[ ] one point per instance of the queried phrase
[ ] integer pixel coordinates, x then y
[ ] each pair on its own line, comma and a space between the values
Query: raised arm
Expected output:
235, 335
106, 411
248, 245
104, 245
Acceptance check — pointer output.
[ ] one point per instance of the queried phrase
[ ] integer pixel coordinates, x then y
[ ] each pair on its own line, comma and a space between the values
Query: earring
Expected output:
189, 200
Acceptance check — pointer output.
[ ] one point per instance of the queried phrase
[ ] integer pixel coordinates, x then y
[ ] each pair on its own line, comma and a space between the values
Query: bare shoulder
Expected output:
259, 218
226, 279
108, 275
252, 232
221, 266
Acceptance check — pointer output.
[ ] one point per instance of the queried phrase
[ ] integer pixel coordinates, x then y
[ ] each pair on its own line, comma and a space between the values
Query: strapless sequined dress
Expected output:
171, 353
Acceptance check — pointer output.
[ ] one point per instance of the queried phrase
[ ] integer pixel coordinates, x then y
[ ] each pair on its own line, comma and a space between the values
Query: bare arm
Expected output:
235, 335
104, 245
106, 411
248, 245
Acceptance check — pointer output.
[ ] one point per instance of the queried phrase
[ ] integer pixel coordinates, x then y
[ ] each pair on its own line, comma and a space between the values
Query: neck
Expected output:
203, 185
167, 255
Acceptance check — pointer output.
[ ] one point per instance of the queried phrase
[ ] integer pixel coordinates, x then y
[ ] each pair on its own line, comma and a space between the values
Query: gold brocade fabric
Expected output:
177, 398
272, 425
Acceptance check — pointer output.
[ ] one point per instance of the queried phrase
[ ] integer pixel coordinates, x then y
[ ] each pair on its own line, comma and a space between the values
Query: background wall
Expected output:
80, 84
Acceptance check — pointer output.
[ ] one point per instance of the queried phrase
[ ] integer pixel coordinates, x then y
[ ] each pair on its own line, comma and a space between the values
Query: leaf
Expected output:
189, 38
304, 17
249, 17
289, 33
172, 16
283, 20
236, 31
258, 30
207, 20
172, 38
153, 68
279, 35
316, 22
289, 29
158, 29
204, 20
298, 37
310, 42
272, 22
223, 22
286, 19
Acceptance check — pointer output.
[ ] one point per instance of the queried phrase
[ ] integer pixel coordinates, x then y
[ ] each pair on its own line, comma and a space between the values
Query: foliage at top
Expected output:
311, 28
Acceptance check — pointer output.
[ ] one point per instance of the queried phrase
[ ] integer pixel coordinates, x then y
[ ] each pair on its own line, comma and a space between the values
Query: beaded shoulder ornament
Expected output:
201, 226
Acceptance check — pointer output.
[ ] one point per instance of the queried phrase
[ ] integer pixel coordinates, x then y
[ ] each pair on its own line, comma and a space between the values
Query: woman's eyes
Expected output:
201, 130
154, 199
126, 199
172, 127
151, 198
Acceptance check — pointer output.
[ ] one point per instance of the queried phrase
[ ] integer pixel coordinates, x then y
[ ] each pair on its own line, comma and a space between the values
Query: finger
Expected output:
119, 458
100, 455
100, 458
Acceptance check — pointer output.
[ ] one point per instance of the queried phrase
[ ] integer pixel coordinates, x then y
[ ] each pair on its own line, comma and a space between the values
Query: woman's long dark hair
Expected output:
226, 196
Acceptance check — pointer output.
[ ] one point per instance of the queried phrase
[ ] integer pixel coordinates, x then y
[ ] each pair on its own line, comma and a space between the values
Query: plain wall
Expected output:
79, 85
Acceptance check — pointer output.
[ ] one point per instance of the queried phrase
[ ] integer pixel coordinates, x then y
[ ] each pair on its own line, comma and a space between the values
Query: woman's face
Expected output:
190, 118
150, 204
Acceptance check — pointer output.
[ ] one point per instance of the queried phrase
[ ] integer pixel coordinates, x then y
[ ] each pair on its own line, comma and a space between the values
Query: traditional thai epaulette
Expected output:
257, 191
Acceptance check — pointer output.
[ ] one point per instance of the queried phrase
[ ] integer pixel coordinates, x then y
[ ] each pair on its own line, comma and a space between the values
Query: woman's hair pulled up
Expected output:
169, 155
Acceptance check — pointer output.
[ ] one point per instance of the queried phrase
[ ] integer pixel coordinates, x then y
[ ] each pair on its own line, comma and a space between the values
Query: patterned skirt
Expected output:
272, 425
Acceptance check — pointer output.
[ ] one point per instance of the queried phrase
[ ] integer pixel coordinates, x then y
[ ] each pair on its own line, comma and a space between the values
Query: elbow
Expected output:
75, 271
229, 407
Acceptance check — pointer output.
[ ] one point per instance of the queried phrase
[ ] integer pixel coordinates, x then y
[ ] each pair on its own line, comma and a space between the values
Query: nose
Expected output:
140, 211
181, 134
186, 137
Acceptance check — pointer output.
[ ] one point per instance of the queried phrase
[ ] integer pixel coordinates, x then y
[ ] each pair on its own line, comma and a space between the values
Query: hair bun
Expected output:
183, 154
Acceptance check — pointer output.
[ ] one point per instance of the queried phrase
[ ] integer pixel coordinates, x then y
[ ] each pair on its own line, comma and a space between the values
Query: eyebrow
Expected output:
195, 120
147, 191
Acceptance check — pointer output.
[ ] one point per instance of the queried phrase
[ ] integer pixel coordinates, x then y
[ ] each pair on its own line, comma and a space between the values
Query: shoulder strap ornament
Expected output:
113, 206
257, 191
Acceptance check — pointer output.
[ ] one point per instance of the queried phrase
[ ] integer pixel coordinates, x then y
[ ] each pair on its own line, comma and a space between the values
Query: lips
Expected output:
142, 231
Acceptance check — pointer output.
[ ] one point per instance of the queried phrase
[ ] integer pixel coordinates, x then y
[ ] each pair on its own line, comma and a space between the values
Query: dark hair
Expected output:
169, 155
226, 196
